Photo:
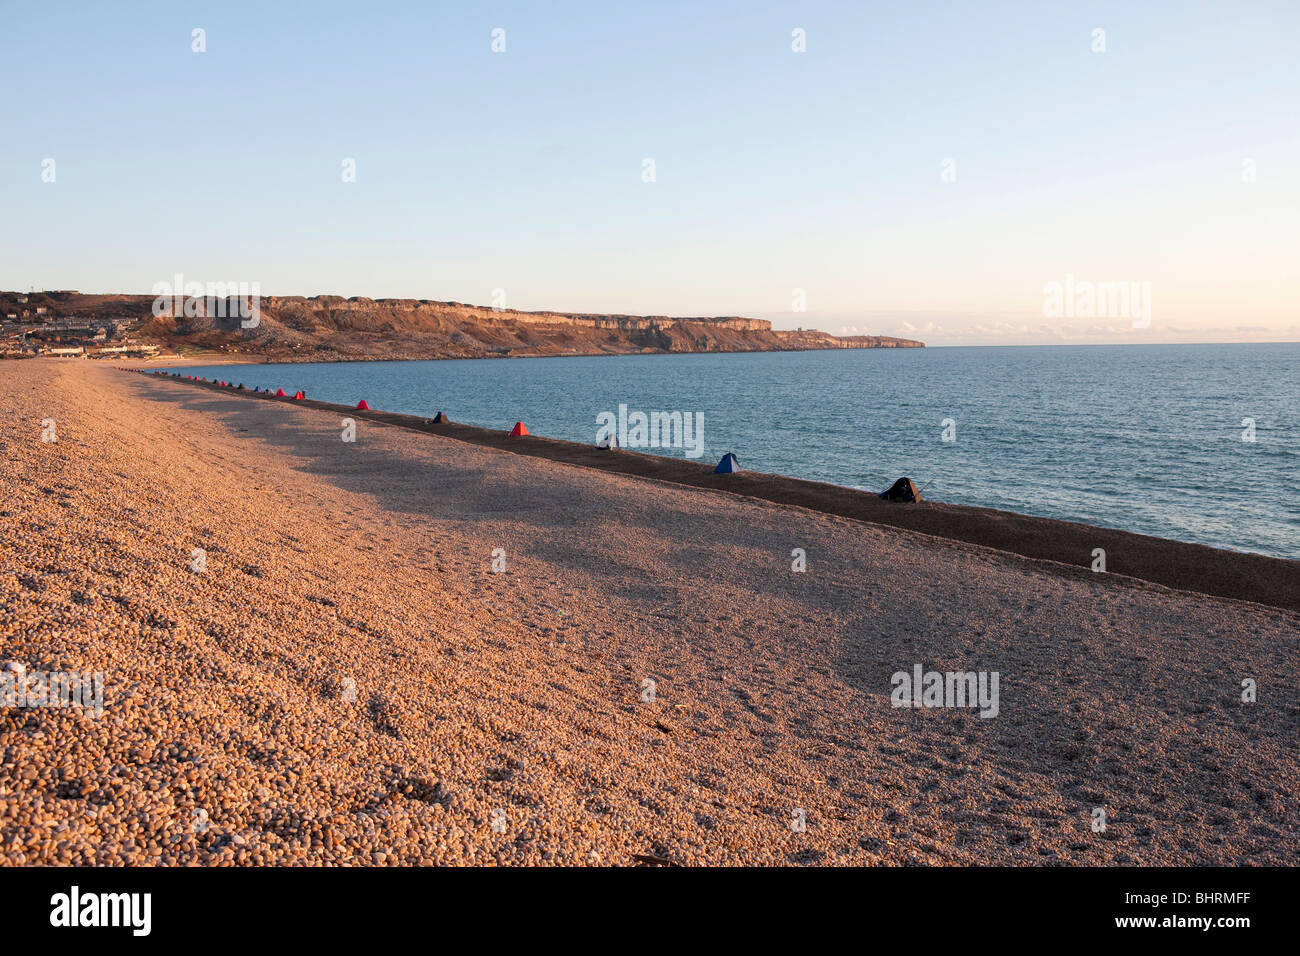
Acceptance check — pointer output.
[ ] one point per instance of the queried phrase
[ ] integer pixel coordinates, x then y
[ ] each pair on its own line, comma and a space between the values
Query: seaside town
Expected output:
34, 323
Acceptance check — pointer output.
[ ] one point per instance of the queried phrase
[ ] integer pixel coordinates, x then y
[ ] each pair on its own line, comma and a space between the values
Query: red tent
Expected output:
279, 393
299, 396
362, 405
519, 431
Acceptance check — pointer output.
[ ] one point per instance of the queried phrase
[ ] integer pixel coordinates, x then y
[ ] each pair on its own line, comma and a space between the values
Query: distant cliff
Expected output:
330, 328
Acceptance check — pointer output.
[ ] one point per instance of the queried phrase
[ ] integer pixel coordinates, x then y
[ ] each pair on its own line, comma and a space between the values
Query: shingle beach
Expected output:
308, 658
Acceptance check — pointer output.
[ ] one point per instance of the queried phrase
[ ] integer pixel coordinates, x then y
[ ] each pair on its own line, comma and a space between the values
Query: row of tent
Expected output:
298, 396
904, 489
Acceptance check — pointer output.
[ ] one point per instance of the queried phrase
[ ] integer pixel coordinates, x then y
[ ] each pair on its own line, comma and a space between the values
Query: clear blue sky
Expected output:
775, 170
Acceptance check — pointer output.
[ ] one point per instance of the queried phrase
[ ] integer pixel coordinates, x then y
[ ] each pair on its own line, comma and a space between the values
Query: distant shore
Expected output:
223, 358
333, 328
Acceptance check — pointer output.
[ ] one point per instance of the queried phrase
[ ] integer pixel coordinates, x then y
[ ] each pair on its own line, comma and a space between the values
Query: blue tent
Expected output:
728, 465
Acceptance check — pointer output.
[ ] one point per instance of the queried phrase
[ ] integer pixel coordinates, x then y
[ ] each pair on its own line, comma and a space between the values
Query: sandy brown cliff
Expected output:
331, 328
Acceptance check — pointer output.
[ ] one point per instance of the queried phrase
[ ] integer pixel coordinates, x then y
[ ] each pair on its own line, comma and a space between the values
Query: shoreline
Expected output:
268, 361
1179, 565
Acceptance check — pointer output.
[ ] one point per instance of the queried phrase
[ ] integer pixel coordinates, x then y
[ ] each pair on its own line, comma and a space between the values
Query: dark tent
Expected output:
904, 489
728, 465
440, 419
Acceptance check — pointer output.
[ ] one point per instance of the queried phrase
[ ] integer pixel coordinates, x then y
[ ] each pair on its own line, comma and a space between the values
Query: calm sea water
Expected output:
1143, 438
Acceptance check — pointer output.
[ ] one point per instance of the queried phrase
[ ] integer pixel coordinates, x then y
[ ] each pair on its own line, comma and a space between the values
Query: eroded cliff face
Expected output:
331, 328
422, 311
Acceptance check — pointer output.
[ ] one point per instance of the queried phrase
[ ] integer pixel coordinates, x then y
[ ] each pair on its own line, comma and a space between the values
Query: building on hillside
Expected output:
133, 348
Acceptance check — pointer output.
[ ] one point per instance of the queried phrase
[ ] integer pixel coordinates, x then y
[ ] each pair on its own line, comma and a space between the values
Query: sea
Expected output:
1193, 442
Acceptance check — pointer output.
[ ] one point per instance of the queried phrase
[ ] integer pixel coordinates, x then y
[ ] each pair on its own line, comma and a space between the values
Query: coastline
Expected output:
289, 328
1219, 572
348, 681
222, 358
